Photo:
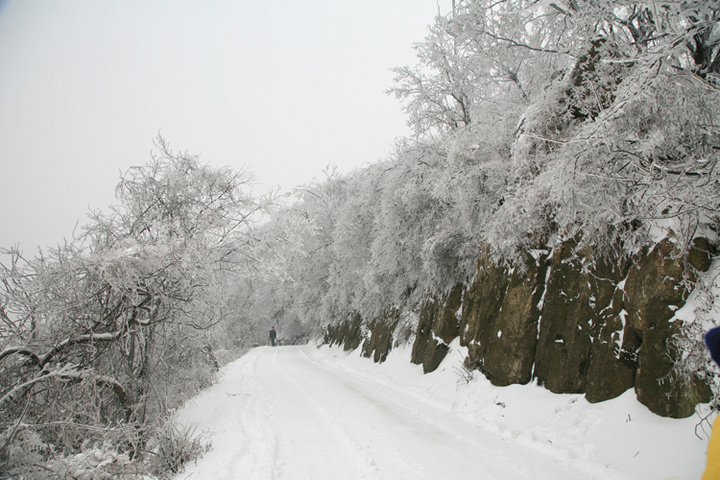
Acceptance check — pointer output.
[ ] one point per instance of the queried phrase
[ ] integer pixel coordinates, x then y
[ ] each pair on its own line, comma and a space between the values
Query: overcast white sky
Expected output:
283, 87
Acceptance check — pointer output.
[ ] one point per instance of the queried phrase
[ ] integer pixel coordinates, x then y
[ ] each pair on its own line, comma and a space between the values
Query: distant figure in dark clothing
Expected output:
273, 337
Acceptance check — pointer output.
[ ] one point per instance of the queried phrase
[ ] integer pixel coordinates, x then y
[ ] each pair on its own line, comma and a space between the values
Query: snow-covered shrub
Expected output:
699, 315
29, 456
97, 463
23, 447
111, 331
466, 374
648, 159
174, 445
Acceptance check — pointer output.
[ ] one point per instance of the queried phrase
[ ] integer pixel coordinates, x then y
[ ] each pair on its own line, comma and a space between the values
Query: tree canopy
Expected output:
534, 122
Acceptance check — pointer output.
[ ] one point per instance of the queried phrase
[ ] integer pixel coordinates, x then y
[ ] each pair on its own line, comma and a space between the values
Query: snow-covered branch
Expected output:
71, 372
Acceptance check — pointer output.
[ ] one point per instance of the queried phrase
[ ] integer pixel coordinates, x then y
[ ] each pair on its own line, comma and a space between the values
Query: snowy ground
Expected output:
301, 413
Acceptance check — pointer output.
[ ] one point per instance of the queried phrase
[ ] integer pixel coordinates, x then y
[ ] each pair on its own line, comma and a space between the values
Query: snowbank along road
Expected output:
282, 413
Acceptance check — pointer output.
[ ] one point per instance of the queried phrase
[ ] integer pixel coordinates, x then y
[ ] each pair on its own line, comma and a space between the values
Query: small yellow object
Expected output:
712, 467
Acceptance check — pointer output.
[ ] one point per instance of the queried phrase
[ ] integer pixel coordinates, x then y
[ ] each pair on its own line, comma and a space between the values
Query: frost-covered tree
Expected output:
296, 257
112, 330
408, 214
535, 122
350, 281
487, 60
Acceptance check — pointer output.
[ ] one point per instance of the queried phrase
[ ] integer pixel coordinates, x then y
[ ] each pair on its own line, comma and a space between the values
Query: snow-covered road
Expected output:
288, 413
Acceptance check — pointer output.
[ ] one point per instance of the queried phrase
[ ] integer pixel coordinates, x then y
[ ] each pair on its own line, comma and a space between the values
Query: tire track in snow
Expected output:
258, 446
229, 412
334, 454
299, 419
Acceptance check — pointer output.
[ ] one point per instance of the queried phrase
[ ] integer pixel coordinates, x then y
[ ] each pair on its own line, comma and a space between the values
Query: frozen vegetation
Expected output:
535, 123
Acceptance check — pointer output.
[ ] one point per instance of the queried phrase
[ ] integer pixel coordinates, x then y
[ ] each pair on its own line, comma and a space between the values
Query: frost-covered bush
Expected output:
172, 446
23, 447
699, 315
30, 456
102, 336
97, 463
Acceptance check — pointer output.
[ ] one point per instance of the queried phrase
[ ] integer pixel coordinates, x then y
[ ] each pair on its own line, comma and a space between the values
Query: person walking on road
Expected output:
273, 337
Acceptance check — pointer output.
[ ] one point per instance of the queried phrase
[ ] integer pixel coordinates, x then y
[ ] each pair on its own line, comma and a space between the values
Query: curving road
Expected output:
282, 413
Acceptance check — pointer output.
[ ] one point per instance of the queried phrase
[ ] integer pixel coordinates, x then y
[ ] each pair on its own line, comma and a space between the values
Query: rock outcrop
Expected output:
655, 288
438, 326
380, 341
348, 333
575, 323
500, 320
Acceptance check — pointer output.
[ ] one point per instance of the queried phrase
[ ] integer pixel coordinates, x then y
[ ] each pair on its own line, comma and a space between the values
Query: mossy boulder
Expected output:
423, 337
483, 301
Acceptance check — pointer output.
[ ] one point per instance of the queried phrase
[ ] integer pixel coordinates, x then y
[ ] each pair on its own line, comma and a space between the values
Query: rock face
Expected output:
562, 357
439, 325
500, 321
655, 289
349, 333
613, 354
600, 329
379, 343
574, 323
